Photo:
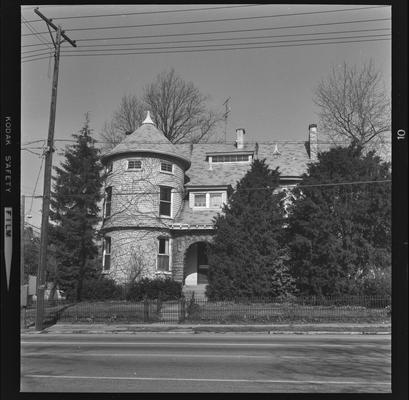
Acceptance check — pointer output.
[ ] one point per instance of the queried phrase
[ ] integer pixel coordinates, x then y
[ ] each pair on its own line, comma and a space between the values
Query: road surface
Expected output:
206, 363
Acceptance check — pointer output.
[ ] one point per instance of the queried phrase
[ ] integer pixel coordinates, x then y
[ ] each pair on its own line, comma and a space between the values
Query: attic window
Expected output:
230, 158
134, 164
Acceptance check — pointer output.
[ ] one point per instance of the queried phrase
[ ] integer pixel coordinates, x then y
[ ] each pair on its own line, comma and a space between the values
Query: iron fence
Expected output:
202, 310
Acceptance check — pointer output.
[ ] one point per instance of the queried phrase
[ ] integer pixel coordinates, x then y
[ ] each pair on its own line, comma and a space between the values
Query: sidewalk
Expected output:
328, 328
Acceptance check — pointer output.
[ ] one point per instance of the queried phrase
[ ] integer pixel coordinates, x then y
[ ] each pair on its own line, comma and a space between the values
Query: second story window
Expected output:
165, 201
108, 201
200, 200
134, 164
215, 199
166, 167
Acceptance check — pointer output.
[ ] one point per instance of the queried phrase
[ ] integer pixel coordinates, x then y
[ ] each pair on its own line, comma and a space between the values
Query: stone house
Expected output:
160, 198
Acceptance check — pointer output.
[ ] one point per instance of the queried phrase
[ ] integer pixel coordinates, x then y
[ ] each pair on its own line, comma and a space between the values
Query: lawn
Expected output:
225, 312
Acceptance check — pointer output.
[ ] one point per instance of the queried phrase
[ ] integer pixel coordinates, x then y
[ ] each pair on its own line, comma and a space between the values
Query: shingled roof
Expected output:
291, 159
147, 139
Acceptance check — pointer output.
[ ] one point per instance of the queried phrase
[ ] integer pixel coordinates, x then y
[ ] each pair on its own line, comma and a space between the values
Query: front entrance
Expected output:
196, 265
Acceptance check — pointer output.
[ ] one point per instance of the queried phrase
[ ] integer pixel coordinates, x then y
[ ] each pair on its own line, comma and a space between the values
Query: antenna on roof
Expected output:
225, 116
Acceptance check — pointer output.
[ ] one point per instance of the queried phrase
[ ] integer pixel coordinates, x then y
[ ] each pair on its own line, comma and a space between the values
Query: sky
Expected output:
271, 88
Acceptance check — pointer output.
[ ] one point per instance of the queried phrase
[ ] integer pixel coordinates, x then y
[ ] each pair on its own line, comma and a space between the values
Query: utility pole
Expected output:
48, 169
225, 115
22, 244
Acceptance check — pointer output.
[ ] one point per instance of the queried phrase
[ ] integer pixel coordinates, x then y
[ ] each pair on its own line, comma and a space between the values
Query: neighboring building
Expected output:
161, 198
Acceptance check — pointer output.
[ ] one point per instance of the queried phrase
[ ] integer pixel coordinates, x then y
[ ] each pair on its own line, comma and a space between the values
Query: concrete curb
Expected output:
307, 329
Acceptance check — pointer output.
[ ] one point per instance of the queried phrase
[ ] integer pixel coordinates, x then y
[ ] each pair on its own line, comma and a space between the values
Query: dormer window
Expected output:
134, 164
200, 199
166, 167
230, 158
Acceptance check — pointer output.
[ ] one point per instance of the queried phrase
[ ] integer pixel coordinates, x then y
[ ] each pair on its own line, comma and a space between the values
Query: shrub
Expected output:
101, 289
165, 289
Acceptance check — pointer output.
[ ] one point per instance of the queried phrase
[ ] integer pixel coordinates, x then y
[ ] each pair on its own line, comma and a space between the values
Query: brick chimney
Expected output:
240, 138
313, 142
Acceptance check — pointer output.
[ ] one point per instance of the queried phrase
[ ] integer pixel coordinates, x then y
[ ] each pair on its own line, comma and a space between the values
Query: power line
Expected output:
217, 45
299, 185
37, 34
271, 142
35, 186
206, 50
235, 38
229, 44
207, 21
215, 32
156, 12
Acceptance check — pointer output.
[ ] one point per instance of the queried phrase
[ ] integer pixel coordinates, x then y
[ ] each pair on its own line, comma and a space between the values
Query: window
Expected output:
230, 158
109, 168
215, 199
134, 164
200, 200
166, 167
108, 201
163, 254
106, 254
165, 201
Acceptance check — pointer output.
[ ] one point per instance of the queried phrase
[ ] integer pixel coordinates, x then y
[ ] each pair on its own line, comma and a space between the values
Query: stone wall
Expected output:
134, 251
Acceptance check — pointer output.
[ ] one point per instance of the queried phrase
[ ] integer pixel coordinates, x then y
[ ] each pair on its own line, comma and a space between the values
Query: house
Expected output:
160, 198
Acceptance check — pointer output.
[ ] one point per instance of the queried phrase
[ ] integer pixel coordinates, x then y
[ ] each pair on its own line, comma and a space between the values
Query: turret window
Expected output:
108, 201
166, 167
134, 164
106, 254
165, 201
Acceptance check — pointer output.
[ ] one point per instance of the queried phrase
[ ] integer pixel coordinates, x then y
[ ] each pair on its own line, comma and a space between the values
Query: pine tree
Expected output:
339, 235
246, 256
75, 212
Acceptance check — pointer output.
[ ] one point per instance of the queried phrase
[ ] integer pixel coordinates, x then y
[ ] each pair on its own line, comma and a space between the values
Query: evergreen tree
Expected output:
340, 235
246, 256
75, 212
31, 252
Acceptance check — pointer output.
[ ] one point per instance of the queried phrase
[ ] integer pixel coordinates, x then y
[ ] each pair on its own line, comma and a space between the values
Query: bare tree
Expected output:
178, 109
354, 105
127, 118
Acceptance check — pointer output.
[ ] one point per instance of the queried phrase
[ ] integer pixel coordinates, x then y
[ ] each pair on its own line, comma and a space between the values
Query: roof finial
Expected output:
148, 119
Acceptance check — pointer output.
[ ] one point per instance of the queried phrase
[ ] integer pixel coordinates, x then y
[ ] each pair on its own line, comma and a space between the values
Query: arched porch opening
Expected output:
196, 265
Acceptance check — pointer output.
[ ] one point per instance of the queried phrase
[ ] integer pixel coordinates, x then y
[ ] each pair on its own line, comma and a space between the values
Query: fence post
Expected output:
145, 309
158, 304
182, 309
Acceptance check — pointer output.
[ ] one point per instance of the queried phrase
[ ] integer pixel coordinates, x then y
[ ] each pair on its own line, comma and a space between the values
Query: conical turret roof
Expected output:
147, 139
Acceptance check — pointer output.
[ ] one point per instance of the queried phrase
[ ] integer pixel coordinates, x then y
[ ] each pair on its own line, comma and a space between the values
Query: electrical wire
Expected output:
35, 186
156, 12
204, 33
299, 185
206, 50
228, 44
37, 34
236, 38
210, 21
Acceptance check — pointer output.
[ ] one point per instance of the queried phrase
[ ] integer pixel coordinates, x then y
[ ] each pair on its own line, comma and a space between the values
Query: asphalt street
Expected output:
206, 363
